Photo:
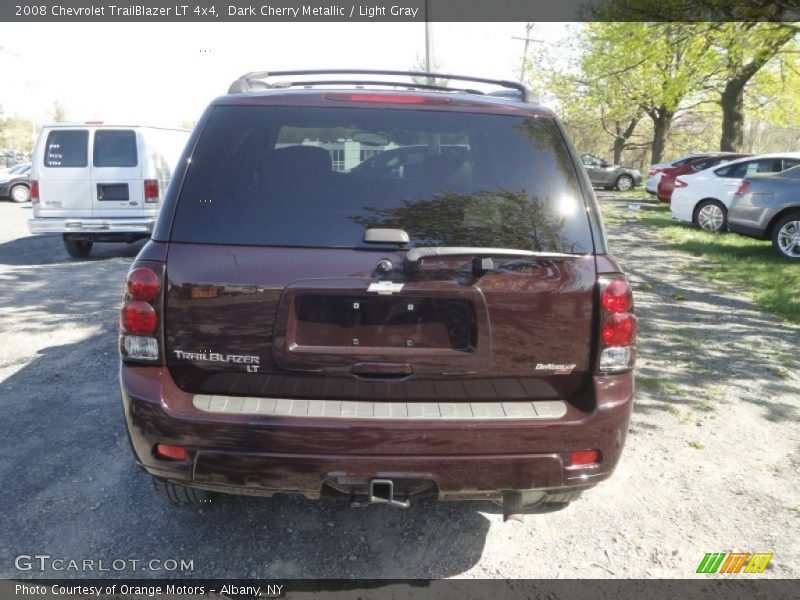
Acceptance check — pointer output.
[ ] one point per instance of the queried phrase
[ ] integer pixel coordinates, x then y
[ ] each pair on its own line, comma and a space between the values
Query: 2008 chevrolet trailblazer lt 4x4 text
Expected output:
447, 322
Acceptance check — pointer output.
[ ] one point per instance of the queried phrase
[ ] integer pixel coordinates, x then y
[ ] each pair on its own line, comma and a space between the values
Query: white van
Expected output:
101, 183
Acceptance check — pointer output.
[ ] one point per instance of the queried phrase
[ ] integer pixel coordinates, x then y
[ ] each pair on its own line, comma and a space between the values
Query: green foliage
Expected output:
745, 262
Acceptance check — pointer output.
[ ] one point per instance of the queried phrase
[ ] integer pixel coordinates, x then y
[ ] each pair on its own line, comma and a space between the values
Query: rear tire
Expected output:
624, 183
179, 495
786, 237
20, 193
711, 216
77, 248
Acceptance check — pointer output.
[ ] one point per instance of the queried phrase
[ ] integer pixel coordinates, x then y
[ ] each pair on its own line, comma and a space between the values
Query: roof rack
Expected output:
254, 81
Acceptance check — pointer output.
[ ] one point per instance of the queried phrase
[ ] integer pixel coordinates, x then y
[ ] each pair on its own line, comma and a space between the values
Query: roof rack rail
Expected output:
254, 81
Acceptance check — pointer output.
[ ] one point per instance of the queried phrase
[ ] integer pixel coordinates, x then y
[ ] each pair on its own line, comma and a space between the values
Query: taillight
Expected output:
743, 188
617, 296
617, 326
619, 330
142, 284
386, 98
34, 192
151, 190
680, 183
139, 316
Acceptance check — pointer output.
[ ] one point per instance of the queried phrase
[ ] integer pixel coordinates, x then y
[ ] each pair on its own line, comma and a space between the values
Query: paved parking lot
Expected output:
711, 463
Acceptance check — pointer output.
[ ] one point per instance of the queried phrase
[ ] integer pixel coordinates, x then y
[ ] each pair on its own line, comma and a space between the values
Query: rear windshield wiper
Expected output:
482, 257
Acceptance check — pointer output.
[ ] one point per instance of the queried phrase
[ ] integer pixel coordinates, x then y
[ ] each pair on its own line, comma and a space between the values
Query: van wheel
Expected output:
77, 248
786, 236
20, 193
179, 495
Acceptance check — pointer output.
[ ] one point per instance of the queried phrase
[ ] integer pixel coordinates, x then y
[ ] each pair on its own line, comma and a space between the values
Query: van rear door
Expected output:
117, 187
64, 173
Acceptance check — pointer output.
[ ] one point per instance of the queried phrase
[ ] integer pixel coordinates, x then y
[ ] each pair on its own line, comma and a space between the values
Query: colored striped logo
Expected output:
734, 562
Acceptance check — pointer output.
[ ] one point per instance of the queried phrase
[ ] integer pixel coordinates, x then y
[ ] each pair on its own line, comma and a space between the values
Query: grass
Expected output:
695, 445
746, 262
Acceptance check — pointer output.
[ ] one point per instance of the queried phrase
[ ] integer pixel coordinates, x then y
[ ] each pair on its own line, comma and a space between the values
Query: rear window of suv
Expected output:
319, 177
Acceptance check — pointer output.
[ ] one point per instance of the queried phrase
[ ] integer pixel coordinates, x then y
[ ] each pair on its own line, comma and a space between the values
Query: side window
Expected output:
66, 148
115, 148
771, 165
788, 163
738, 170
587, 160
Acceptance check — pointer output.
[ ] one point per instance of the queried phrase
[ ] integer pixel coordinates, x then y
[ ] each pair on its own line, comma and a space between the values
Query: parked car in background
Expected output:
655, 171
457, 330
101, 183
704, 198
607, 176
768, 207
666, 183
15, 183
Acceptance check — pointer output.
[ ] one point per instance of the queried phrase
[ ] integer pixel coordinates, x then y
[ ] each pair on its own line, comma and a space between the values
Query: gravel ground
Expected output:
711, 463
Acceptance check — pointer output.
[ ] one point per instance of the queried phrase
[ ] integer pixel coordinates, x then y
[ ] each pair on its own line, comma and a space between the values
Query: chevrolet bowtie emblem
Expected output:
384, 288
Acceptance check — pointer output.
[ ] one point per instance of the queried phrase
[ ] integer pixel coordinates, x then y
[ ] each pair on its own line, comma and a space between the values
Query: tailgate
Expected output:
239, 322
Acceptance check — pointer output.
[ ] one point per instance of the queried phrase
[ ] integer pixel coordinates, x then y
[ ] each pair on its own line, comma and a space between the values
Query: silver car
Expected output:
768, 207
607, 176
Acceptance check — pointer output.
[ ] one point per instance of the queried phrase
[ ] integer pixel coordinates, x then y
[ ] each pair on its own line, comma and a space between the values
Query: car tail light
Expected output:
140, 314
142, 284
387, 98
170, 452
743, 188
680, 183
617, 326
151, 190
34, 191
138, 318
619, 330
584, 457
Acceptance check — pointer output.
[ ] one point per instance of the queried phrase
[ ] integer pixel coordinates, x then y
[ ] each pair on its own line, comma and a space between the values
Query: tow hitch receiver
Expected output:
381, 491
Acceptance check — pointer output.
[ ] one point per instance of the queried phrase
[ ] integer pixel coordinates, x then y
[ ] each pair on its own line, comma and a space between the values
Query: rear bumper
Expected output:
465, 458
91, 225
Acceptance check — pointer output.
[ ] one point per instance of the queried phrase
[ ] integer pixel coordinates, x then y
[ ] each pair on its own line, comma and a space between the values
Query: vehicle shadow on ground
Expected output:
49, 250
72, 487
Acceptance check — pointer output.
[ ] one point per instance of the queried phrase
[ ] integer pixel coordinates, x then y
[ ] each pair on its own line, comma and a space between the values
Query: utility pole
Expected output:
428, 41
527, 39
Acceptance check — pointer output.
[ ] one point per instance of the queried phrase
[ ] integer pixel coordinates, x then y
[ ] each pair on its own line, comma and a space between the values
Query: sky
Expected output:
166, 73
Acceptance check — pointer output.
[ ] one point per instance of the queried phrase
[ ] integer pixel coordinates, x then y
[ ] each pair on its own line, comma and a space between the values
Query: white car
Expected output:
704, 198
654, 174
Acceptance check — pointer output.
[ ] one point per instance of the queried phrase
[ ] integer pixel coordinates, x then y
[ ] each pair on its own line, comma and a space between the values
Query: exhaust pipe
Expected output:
516, 503
381, 491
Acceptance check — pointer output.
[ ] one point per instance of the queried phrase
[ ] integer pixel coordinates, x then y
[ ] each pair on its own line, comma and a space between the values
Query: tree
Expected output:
58, 113
634, 69
743, 49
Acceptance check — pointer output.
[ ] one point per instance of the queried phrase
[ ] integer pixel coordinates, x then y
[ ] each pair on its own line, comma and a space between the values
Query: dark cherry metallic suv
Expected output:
449, 323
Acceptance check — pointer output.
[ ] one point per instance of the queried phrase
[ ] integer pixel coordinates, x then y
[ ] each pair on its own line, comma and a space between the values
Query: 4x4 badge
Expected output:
384, 288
